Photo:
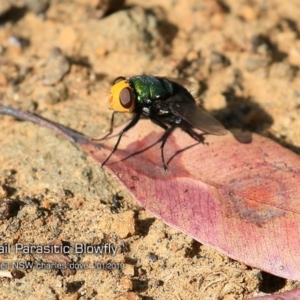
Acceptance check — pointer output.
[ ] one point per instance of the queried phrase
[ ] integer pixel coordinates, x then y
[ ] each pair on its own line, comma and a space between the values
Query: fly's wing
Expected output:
185, 107
183, 82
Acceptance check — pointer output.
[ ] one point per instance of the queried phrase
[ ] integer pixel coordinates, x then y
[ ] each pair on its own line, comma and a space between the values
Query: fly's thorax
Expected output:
151, 88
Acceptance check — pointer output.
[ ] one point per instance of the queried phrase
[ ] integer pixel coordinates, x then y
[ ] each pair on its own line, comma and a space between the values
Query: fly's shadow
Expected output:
198, 137
247, 115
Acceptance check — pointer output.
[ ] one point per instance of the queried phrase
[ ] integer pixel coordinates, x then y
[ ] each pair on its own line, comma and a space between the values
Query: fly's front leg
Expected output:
130, 125
111, 128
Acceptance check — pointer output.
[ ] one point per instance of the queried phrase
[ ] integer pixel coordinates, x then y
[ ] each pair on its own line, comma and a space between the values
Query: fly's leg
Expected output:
196, 136
130, 125
164, 138
111, 127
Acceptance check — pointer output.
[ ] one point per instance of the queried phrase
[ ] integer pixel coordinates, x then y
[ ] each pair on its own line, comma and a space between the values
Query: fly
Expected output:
165, 102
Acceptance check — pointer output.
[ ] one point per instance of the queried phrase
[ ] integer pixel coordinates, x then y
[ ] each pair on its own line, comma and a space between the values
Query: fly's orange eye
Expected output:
121, 96
118, 79
126, 97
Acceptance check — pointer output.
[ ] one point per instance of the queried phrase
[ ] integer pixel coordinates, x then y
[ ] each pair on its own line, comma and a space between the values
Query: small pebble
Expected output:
57, 67
37, 6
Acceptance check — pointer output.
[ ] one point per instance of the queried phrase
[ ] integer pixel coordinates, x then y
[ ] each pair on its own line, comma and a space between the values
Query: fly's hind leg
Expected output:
199, 137
127, 127
196, 136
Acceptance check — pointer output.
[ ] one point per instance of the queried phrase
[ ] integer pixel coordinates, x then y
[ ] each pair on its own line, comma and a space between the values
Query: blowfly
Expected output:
165, 102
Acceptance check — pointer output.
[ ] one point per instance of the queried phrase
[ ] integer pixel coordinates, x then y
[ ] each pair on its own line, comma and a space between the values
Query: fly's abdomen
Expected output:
150, 87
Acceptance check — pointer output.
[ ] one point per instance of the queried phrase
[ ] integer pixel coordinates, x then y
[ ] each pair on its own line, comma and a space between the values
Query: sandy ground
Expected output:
58, 59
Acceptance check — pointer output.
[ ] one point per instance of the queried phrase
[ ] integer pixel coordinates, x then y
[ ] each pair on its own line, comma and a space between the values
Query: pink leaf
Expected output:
291, 295
241, 198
